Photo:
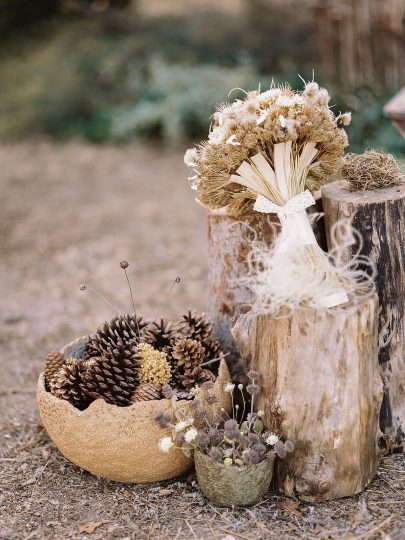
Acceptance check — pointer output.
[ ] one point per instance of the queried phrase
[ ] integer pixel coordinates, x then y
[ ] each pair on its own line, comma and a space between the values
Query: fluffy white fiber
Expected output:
283, 280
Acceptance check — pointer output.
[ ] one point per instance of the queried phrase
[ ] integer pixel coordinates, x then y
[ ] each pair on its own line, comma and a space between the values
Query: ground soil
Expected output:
69, 214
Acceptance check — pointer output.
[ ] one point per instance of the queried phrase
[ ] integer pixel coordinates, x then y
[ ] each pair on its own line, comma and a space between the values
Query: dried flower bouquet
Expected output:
233, 458
267, 153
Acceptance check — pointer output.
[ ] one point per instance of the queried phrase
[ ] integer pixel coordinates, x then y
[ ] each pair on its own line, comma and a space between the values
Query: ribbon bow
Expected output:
293, 206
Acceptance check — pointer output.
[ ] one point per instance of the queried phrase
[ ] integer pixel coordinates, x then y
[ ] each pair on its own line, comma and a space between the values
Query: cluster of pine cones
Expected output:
129, 360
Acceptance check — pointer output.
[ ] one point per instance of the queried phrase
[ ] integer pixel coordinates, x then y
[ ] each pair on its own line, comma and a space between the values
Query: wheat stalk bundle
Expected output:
268, 153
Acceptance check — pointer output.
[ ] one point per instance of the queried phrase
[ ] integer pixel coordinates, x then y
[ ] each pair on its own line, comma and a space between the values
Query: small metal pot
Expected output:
233, 485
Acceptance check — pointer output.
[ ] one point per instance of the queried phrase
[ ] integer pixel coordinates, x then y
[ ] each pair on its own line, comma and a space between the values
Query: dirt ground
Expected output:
69, 214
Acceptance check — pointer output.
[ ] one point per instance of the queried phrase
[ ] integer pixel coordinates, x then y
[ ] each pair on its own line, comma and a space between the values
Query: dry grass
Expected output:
371, 170
69, 215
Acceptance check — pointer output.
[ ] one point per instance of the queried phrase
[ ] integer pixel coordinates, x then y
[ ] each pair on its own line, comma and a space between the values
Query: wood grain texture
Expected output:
320, 372
379, 216
229, 244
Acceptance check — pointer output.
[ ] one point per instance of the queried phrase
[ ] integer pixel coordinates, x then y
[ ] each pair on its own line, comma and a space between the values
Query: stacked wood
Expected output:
320, 373
379, 217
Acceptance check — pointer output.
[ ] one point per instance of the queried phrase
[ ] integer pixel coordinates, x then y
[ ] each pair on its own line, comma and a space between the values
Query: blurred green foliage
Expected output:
179, 100
161, 77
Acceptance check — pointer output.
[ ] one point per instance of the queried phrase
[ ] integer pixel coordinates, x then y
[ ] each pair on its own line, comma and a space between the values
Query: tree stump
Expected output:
229, 243
320, 373
379, 217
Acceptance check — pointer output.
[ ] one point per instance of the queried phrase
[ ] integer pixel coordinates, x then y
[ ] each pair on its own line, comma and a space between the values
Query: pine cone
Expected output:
66, 385
122, 332
196, 377
195, 325
160, 335
188, 354
112, 377
53, 362
145, 392
212, 349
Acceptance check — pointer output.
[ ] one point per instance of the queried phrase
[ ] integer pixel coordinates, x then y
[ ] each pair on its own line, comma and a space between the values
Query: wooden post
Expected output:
379, 216
320, 373
229, 243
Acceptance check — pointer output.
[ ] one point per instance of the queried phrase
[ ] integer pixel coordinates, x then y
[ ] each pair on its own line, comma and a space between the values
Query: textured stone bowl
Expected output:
233, 486
119, 443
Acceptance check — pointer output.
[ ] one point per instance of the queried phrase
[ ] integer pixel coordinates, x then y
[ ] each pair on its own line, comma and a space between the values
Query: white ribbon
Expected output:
292, 206
296, 230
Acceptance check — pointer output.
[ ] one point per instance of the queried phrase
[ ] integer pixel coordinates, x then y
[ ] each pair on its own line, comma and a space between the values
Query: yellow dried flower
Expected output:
154, 366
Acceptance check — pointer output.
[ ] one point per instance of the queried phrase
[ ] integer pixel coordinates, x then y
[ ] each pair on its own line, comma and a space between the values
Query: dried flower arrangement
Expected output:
129, 359
267, 153
202, 426
276, 144
371, 170
222, 442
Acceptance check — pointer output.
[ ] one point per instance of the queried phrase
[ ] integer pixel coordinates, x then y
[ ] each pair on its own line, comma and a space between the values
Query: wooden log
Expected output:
229, 243
379, 216
320, 373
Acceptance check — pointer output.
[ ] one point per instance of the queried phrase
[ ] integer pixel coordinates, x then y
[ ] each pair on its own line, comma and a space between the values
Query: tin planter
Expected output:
118, 443
233, 485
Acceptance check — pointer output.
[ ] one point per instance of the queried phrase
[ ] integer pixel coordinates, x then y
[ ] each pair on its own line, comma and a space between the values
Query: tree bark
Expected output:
319, 371
379, 216
229, 244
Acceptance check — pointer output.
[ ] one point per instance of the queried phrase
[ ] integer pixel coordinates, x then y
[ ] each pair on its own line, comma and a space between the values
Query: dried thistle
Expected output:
371, 170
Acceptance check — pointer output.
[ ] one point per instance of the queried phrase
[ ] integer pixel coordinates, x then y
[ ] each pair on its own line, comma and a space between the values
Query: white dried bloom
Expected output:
345, 118
228, 462
190, 157
262, 117
298, 99
323, 97
284, 101
291, 126
260, 413
281, 119
271, 439
190, 435
217, 135
228, 387
184, 424
311, 89
165, 444
232, 140
219, 118
240, 386
269, 95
